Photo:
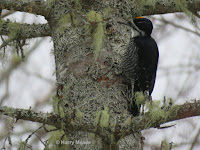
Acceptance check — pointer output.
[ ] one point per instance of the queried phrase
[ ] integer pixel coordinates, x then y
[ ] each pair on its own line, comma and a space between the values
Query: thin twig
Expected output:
26, 141
15, 64
177, 26
195, 140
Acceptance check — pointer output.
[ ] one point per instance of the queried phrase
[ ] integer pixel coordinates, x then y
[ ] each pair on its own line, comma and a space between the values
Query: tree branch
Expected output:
176, 112
163, 20
24, 31
124, 126
39, 7
30, 115
170, 6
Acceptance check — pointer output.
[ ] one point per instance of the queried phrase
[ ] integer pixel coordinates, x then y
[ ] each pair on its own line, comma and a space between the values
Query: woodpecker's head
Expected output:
140, 26
144, 26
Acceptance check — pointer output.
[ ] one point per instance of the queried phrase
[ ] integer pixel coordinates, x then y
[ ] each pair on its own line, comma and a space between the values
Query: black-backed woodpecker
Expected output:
139, 63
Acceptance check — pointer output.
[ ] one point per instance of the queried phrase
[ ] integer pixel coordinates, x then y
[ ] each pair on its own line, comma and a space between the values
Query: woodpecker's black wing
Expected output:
139, 66
147, 61
139, 63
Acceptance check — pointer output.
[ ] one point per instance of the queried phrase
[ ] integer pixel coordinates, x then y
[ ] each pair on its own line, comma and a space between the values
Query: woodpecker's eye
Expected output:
139, 22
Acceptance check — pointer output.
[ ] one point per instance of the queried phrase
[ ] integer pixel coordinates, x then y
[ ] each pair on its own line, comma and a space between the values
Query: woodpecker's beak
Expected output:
123, 23
130, 24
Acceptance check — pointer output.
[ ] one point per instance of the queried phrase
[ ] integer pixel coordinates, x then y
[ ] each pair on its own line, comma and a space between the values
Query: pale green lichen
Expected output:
159, 113
106, 12
77, 4
113, 124
96, 26
79, 114
50, 2
23, 145
97, 115
165, 145
94, 17
128, 121
55, 140
63, 21
140, 98
145, 2
98, 39
182, 5
61, 112
112, 138
66, 89
102, 117
104, 121
92, 135
12, 27
156, 113
55, 103
16, 60
58, 107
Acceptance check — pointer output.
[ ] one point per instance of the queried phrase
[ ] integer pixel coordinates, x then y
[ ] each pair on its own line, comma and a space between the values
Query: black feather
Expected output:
139, 63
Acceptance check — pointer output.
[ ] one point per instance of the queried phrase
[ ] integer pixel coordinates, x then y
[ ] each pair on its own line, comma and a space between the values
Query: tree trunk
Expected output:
87, 44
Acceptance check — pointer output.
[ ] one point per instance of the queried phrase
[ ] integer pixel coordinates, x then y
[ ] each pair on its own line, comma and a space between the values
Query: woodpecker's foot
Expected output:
142, 113
148, 97
134, 109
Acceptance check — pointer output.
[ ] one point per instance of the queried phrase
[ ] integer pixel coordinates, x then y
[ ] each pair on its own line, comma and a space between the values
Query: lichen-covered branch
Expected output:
163, 6
39, 7
174, 113
170, 6
146, 8
122, 128
30, 115
24, 31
